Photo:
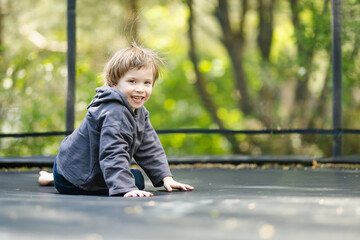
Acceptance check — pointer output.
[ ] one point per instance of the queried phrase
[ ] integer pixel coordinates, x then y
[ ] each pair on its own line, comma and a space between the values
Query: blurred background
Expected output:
236, 64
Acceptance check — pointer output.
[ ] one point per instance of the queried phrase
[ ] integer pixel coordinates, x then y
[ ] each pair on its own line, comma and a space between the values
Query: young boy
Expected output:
96, 157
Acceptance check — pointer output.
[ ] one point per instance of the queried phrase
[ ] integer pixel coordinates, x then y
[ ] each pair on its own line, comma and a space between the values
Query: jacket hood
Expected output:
109, 94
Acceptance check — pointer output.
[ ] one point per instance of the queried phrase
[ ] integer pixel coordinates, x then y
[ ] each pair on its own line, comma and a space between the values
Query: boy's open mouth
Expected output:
137, 99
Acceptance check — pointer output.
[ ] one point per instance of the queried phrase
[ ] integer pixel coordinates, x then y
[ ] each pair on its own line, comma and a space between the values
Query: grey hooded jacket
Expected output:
98, 154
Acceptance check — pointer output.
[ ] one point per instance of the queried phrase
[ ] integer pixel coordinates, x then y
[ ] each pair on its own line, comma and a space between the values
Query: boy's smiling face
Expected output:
137, 86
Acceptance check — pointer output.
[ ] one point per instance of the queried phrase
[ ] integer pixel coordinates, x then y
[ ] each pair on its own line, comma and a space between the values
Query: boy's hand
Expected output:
138, 193
170, 183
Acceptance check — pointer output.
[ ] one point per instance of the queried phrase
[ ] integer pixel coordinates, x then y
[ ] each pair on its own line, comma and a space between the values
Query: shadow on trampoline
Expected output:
246, 203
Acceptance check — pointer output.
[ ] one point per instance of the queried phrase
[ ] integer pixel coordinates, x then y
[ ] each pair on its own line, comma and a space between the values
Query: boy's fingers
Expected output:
185, 187
128, 195
146, 194
138, 194
168, 187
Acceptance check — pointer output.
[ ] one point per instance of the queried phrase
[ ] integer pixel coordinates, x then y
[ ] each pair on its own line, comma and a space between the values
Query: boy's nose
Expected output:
139, 89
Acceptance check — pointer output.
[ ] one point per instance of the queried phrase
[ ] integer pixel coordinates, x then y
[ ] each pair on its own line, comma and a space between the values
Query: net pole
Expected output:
336, 76
71, 65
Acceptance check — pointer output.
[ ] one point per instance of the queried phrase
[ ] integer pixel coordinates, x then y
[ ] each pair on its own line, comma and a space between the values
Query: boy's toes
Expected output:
45, 178
43, 182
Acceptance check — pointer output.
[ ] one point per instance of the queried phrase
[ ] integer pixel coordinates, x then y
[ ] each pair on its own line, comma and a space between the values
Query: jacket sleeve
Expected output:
151, 156
115, 160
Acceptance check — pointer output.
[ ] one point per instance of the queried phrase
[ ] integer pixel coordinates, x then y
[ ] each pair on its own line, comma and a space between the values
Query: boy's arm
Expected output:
151, 156
115, 160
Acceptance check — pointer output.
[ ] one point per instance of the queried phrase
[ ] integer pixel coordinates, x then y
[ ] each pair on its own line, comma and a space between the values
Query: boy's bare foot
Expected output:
45, 179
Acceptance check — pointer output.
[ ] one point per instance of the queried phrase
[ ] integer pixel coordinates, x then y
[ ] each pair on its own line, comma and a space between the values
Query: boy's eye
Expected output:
131, 81
148, 83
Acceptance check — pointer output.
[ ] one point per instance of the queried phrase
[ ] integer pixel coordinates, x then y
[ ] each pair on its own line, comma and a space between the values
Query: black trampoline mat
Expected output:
297, 203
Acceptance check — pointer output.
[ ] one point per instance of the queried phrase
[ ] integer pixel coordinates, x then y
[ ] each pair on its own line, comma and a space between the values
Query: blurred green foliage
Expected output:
33, 72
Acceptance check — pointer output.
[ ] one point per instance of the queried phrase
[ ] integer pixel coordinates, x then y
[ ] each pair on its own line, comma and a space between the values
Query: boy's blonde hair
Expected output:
133, 57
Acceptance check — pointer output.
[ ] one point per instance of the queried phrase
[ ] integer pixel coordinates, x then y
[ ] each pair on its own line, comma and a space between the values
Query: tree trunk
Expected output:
234, 43
266, 9
305, 57
201, 84
264, 41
